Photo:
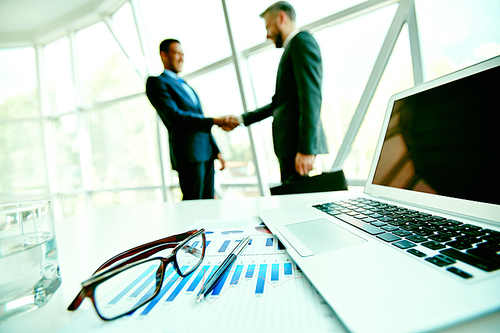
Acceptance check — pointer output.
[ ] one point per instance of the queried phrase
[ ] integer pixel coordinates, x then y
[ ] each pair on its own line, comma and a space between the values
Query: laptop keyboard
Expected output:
406, 228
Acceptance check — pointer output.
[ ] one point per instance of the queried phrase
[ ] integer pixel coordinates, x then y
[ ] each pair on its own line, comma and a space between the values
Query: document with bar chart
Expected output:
263, 291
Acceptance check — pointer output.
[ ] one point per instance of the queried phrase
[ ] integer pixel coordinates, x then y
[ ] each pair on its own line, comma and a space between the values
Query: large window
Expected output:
457, 33
23, 170
198, 25
76, 126
106, 74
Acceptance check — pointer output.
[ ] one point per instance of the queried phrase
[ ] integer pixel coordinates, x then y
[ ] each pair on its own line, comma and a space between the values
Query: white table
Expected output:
84, 242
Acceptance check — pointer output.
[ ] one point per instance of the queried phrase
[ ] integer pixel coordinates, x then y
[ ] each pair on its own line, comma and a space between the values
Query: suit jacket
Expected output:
189, 132
296, 104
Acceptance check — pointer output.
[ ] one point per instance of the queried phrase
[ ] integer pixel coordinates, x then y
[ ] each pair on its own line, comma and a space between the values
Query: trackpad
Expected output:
322, 235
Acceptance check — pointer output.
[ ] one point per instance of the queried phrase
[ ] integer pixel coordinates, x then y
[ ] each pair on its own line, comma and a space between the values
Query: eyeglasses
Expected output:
120, 285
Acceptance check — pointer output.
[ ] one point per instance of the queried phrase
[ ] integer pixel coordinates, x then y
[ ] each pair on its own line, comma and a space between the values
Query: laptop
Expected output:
418, 250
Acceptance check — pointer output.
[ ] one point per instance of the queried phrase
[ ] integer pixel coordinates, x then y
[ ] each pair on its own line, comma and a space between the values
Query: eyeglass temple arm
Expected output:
77, 301
171, 239
156, 248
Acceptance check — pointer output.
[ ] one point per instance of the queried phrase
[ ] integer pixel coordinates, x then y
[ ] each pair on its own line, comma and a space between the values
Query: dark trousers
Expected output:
197, 180
287, 168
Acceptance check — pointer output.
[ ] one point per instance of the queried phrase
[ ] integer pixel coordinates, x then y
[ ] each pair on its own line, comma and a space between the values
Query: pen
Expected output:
222, 269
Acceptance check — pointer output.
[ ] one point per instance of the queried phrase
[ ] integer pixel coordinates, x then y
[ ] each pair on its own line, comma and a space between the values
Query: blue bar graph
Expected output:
224, 246
275, 272
288, 268
157, 298
150, 280
269, 242
195, 244
198, 278
143, 286
236, 275
132, 285
250, 270
208, 242
178, 289
163, 291
259, 289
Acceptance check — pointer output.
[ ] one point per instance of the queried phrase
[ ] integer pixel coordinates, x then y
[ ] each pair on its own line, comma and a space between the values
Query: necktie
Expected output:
188, 90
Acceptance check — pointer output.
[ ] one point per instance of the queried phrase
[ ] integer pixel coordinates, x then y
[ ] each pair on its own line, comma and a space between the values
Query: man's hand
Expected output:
304, 163
227, 123
222, 161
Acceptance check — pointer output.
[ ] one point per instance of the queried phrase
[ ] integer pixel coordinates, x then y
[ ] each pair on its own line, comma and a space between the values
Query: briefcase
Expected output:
327, 181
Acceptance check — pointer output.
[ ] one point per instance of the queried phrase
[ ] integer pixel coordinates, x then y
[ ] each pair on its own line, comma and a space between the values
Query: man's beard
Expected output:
279, 40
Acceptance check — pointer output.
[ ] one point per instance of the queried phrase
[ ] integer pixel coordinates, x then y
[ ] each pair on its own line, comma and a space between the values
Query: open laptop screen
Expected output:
446, 140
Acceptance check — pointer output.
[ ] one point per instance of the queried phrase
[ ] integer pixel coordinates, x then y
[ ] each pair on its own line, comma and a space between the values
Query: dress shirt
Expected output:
184, 85
289, 38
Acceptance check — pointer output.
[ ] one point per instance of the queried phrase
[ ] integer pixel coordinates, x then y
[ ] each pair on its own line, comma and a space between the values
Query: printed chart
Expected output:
262, 291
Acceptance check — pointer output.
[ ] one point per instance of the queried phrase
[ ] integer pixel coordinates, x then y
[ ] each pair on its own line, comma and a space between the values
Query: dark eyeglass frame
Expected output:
140, 255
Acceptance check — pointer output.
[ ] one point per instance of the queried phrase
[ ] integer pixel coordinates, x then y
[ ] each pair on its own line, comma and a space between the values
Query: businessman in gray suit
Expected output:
298, 134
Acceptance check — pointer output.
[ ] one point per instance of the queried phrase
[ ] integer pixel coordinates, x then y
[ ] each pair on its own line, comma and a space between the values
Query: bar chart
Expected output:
262, 284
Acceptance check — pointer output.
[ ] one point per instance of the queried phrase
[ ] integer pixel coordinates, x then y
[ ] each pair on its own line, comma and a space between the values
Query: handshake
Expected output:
227, 123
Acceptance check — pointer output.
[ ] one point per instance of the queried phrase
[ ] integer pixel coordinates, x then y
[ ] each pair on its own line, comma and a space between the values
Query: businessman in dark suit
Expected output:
192, 146
298, 134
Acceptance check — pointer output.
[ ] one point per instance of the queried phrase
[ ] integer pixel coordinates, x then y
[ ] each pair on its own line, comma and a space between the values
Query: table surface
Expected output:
86, 241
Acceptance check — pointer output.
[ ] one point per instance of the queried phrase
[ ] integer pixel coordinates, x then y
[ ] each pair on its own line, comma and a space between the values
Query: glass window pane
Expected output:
263, 68
222, 99
457, 33
57, 61
105, 71
397, 77
249, 27
349, 51
124, 145
22, 166
106, 199
125, 28
68, 157
202, 32
18, 83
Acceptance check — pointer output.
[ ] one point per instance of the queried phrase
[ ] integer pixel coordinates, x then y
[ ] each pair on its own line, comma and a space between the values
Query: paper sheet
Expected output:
263, 291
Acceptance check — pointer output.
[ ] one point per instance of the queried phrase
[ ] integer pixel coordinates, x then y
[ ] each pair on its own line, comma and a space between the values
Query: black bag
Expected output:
327, 181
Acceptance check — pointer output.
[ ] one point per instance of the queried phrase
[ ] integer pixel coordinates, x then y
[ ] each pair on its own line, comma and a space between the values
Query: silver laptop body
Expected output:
435, 159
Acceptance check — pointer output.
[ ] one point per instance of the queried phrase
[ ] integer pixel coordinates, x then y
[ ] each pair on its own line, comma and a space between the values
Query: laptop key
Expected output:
417, 238
366, 227
459, 245
433, 245
377, 223
495, 246
417, 253
459, 272
402, 233
472, 260
388, 237
441, 260
390, 228
404, 244
440, 238
486, 254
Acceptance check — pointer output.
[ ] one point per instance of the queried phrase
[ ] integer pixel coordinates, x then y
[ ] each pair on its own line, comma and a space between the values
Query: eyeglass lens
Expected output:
189, 255
136, 285
127, 290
